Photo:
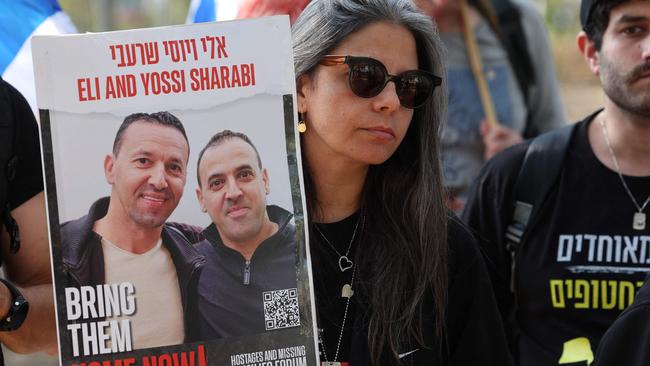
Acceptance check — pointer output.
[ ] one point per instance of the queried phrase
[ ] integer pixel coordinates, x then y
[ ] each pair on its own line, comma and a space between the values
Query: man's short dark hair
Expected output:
161, 118
221, 137
598, 20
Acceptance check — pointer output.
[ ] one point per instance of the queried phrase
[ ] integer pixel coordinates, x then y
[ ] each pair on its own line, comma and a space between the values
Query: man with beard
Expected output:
586, 249
124, 237
626, 342
250, 248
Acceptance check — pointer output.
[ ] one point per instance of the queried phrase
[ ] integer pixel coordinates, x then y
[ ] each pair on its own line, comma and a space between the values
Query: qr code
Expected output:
281, 309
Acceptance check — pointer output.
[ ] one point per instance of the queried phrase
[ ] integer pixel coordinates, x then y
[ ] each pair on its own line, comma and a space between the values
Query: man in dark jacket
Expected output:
249, 282
124, 238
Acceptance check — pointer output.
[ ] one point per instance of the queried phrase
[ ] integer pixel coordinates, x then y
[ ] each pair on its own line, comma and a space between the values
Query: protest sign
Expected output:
160, 259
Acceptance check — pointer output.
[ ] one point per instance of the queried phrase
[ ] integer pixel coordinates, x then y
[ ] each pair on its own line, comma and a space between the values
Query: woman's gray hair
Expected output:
403, 197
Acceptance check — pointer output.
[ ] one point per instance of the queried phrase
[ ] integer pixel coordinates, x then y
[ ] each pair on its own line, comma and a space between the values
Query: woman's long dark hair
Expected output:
405, 238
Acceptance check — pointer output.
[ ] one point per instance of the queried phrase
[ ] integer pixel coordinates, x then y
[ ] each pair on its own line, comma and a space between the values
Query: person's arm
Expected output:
497, 139
29, 270
192, 233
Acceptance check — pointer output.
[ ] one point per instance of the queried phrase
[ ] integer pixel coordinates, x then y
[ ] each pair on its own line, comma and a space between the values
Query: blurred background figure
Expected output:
19, 21
502, 83
211, 10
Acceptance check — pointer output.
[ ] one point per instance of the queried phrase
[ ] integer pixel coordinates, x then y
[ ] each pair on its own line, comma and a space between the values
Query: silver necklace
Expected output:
345, 262
639, 220
346, 292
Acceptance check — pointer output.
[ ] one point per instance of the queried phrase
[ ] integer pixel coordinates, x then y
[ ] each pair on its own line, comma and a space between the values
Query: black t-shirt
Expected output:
28, 179
582, 262
474, 332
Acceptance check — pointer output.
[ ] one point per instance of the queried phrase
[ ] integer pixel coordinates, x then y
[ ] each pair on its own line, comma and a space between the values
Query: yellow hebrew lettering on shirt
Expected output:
611, 302
625, 288
577, 350
569, 288
592, 294
594, 288
582, 292
557, 293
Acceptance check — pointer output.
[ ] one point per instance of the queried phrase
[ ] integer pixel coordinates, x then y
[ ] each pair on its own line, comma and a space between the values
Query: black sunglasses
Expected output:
368, 77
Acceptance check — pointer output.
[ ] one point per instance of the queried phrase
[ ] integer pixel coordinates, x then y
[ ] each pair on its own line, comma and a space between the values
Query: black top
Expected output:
626, 341
329, 280
581, 262
474, 330
28, 179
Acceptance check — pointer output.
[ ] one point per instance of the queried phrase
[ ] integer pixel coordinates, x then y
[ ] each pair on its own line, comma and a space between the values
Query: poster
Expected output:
161, 258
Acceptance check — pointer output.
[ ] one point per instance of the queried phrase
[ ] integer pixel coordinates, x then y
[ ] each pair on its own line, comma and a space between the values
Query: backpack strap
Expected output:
538, 174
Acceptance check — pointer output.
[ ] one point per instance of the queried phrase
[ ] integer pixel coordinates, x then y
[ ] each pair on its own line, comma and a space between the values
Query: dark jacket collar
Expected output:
81, 246
283, 236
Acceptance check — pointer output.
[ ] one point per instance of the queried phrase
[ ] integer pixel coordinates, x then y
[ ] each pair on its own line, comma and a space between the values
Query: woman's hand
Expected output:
497, 139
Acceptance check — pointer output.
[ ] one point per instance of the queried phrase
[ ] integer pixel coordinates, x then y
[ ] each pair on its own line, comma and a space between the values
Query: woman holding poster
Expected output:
397, 279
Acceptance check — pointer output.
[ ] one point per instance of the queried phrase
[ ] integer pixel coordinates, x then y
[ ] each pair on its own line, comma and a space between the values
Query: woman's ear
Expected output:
303, 89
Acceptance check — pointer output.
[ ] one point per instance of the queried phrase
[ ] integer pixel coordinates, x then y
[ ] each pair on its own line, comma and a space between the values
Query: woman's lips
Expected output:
384, 133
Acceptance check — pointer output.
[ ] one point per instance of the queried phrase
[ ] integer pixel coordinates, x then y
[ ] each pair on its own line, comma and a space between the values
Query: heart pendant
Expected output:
345, 263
